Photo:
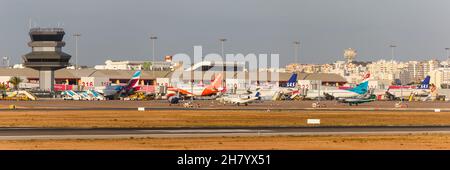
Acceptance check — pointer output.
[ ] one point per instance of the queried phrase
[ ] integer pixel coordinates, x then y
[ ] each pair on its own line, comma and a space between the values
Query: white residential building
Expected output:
387, 70
420, 69
134, 65
440, 77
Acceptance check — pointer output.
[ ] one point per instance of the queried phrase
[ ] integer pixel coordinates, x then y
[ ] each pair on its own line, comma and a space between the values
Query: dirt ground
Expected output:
209, 104
150, 119
185, 118
348, 142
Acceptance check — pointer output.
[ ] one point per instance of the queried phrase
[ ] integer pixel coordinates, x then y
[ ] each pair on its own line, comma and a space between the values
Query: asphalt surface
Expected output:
73, 133
214, 105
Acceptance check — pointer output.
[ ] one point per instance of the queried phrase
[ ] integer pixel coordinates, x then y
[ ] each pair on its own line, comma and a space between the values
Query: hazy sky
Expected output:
119, 29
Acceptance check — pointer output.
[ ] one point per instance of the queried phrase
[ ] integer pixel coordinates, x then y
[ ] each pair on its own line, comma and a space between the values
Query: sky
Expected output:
118, 29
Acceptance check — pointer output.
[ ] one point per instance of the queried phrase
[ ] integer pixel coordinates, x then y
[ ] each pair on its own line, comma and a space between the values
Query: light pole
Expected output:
153, 38
222, 41
392, 51
296, 49
319, 85
392, 66
76, 35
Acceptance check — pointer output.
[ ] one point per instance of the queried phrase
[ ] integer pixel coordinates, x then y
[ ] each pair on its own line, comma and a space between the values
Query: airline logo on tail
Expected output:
366, 76
425, 83
361, 88
134, 81
258, 94
217, 83
209, 90
292, 82
213, 88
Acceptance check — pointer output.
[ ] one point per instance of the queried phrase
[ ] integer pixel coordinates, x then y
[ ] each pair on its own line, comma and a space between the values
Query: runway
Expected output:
61, 105
116, 133
230, 109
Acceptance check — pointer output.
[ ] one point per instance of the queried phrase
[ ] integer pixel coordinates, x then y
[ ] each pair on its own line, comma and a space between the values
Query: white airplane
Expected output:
274, 93
114, 91
421, 90
360, 89
369, 97
238, 100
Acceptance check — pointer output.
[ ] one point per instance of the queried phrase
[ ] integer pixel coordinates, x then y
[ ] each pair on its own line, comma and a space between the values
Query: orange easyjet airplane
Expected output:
187, 90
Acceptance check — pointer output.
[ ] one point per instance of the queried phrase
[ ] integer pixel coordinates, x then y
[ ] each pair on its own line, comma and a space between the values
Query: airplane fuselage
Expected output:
195, 91
312, 94
407, 92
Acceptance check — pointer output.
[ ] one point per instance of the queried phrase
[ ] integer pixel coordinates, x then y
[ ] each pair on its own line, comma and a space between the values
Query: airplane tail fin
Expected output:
292, 82
134, 81
258, 94
361, 88
217, 83
366, 76
425, 83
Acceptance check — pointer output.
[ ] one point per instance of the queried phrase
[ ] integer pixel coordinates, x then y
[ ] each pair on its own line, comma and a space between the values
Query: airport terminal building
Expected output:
91, 77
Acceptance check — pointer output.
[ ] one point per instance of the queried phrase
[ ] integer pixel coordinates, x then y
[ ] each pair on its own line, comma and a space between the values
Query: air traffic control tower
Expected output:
46, 55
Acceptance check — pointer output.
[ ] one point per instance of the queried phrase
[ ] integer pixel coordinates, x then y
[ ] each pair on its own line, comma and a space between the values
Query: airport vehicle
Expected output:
401, 105
174, 100
82, 95
139, 96
318, 105
71, 95
197, 91
402, 92
115, 91
96, 95
19, 95
85, 96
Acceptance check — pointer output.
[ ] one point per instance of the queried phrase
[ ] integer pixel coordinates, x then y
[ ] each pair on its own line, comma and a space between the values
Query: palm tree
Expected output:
15, 81
146, 65
3, 90
3, 87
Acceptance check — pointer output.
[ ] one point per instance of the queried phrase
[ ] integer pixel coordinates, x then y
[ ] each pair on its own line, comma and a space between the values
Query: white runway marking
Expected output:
206, 131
